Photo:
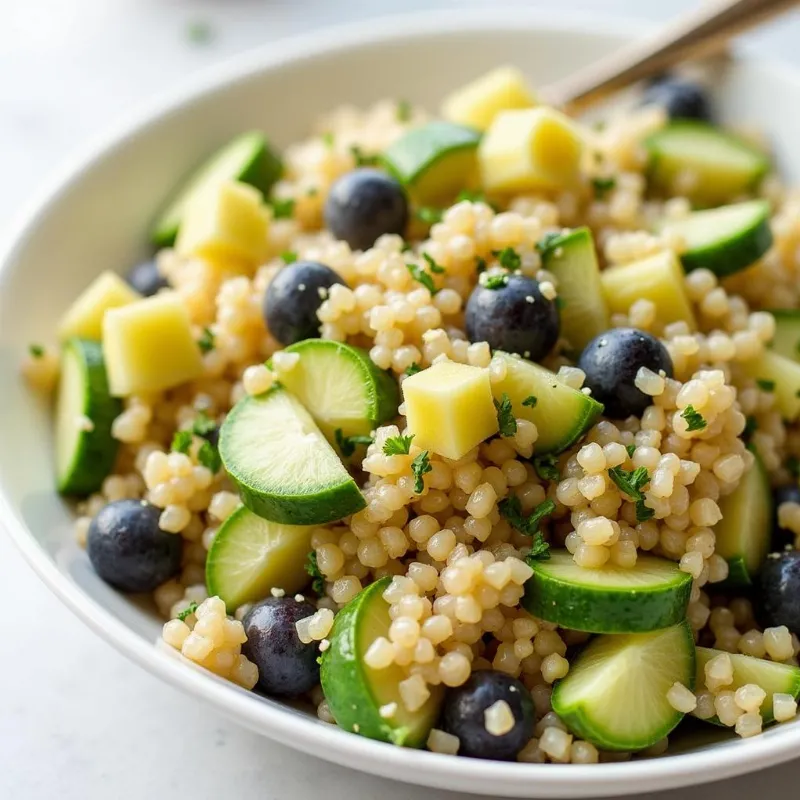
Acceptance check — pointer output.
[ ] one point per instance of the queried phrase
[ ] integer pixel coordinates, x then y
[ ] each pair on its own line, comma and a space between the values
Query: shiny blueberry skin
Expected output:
611, 362
781, 537
779, 588
516, 318
680, 98
128, 549
293, 298
464, 709
363, 205
286, 666
146, 278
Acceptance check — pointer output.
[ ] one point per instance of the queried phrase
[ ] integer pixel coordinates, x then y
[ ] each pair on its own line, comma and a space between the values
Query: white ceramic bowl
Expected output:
95, 217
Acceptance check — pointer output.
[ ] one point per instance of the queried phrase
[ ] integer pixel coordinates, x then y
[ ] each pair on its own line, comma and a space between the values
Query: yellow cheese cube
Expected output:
479, 102
536, 148
84, 317
659, 278
227, 222
449, 408
148, 346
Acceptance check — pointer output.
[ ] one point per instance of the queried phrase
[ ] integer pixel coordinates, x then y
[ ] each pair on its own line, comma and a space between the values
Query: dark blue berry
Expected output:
611, 362
146, 278
781, 537
293, 298
515, 317
779, 587
128, 549
363, 205
286, 666
680, 98
464, 715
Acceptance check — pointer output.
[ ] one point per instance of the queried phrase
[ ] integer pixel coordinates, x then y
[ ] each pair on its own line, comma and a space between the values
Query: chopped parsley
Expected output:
511, 509
207, 340
419, 275
474, 196
187, 612
312, 191
694, 419
631, 483
602, 186
36, 350
505, 416
547, 241
793, 466
420, 466
530, 401
203, 425
765, 385
436, 269
750, 426
361, 158
327, 139
288, 256
493, 282
560, 302
347, 444
429, 214
413, 369
317, 578
403, 111
282, 208
508, 258
631, 448
480, 264
397, 445
199, 31
208, 456
181, 441
546, 467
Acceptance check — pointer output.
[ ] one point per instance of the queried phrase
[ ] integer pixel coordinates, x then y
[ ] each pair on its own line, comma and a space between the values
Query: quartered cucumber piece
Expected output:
772, 677
652, 595
780, 375
699, 161
355, 692
743, 534
573, 260
615, 694
561, 414
85, 410
341, 387
248, 159
435, 161
284, 467
726, 239
787, 332
250, 555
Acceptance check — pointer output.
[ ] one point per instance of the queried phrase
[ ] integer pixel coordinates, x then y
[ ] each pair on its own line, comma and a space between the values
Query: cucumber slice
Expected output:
787, 332
284, 467
355, 692
435, 161
615, 694
248, 159
85, 411
724, 240
699, 161
249, 556
652, 595
341, 387
743, 534
772, 677
561, 414
782, 375
573, 260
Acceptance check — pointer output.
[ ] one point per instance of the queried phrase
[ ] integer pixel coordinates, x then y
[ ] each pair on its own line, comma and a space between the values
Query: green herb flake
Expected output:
203, 425
511, 509
419, 275
181, 441
508, 258
429, 215
546, 467
413, 369
198, 31
36, 350
327, 139
361, 158
317, 578
403, 111
602, 186
207, 340
530, 401
750, 426
560, 302
480, 265
694, 419
420, 466
493, 282
397, 445
288, 257
347, 444
793, 466
548, 241
187, 612
631, 448
505, 416
282, 208
436, 269
765, 385
631, 483
208, 456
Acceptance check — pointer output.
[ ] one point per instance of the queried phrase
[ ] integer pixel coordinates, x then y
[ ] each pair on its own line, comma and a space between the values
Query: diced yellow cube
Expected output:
658, 278
536, 148
449, 408
227, 222
84, 317
148, 346
479, 102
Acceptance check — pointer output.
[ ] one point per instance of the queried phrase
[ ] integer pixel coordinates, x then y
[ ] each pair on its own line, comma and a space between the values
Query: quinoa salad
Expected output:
477, 431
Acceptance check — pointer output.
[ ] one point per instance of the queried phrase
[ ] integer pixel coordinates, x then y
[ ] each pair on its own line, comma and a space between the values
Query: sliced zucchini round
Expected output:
787, 332
341, 387
250, 555
561, 414
355, 692
615, 695
726, 239
284, 467
85, 411
652, 595
772, 677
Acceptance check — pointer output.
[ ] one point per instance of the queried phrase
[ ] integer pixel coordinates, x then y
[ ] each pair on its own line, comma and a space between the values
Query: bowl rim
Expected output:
270, 718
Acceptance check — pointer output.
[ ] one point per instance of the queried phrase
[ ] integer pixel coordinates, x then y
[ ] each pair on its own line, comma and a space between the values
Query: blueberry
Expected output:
363, 205
464, 715
146, 278
680, 98
781, 537
515, 317
286, 666
293, 298
611, 362
779, 587
128, 549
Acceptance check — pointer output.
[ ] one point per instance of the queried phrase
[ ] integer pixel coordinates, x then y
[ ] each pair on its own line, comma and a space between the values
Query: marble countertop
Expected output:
77, 720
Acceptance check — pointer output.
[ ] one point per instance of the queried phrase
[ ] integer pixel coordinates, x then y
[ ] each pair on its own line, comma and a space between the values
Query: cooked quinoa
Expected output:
457, 566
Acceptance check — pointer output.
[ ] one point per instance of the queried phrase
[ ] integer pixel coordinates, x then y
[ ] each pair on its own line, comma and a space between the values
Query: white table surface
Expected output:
78, 721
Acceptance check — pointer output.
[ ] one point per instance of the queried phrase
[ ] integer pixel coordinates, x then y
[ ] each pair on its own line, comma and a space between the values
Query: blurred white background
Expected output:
77, 721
